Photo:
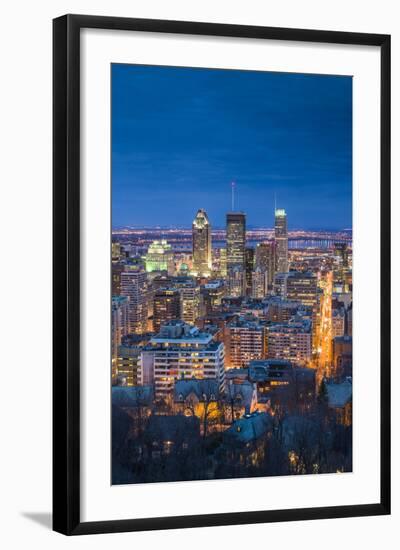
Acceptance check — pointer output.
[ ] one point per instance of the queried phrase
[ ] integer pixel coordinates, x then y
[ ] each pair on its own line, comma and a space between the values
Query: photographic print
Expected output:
231, 261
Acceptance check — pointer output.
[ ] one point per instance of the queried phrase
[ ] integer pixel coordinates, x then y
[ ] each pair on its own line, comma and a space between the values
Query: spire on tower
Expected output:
233, 195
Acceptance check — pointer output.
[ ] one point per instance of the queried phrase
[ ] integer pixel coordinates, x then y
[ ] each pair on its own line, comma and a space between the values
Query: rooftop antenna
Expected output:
233, 196
275, 201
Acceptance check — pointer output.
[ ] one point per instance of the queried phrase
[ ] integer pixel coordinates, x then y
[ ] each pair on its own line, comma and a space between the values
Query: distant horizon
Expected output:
220, 228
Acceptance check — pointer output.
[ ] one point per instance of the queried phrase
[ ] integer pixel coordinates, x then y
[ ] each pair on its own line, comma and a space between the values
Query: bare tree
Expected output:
205, 406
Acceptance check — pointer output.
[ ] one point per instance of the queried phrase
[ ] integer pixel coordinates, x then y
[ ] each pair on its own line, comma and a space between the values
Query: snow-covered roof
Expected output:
250, 427
339, 394
207, 387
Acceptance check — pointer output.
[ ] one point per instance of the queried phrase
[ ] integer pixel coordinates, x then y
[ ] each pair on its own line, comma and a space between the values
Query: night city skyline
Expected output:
189, 132
231, 259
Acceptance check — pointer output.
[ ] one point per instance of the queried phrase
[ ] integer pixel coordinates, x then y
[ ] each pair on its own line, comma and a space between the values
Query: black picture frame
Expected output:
66, 272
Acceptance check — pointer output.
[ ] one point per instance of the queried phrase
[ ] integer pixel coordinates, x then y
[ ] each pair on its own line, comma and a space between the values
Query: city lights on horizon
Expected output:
230, 327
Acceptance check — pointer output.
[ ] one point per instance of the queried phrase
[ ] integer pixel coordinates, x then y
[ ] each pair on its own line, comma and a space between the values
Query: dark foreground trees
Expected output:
172, 448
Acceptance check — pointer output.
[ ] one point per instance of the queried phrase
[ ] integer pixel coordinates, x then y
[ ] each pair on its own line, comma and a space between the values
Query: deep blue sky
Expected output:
181, 135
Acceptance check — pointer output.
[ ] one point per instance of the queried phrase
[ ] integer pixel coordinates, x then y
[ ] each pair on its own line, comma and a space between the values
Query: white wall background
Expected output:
25, 388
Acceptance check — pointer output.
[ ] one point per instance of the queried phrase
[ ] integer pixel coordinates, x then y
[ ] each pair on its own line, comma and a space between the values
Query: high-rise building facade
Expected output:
128, 367
119, 321
134, 287
280, 310
119, 328
341, 253
281, 239
235, 240
342, 275
259, 284
201, 234
291, 341
212, 294
116, 269
236, 282
160, 257
349, 320
280, 284
181, 351
265, 259
221, 263
115, 251
302, 287
338, 322
342, 356
245, 341
190, 302
249, 268
167, 307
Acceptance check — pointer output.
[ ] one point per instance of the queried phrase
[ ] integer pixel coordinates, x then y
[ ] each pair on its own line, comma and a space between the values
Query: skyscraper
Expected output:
167, 307
119, 321
259, 284
235, 240
236, 282
115, 251
341, 262
201, 232
302, 287
249, 268
190, 302
280, 285
341, 252
265, 259
160, 257
117, 268
281, 239
134, 286
119, 328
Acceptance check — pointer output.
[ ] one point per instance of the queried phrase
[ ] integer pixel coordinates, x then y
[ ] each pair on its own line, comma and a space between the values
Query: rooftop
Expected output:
338, 312
240, 392
343, 339
175, 346
293, 326
339, 394
301, 275
203, 389
282, 303
236, 373
201, 219
214, 284
252, 323
159, 247
249, 428
180, 332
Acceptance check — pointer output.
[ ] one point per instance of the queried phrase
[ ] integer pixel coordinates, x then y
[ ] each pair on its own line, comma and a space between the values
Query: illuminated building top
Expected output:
160, 257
